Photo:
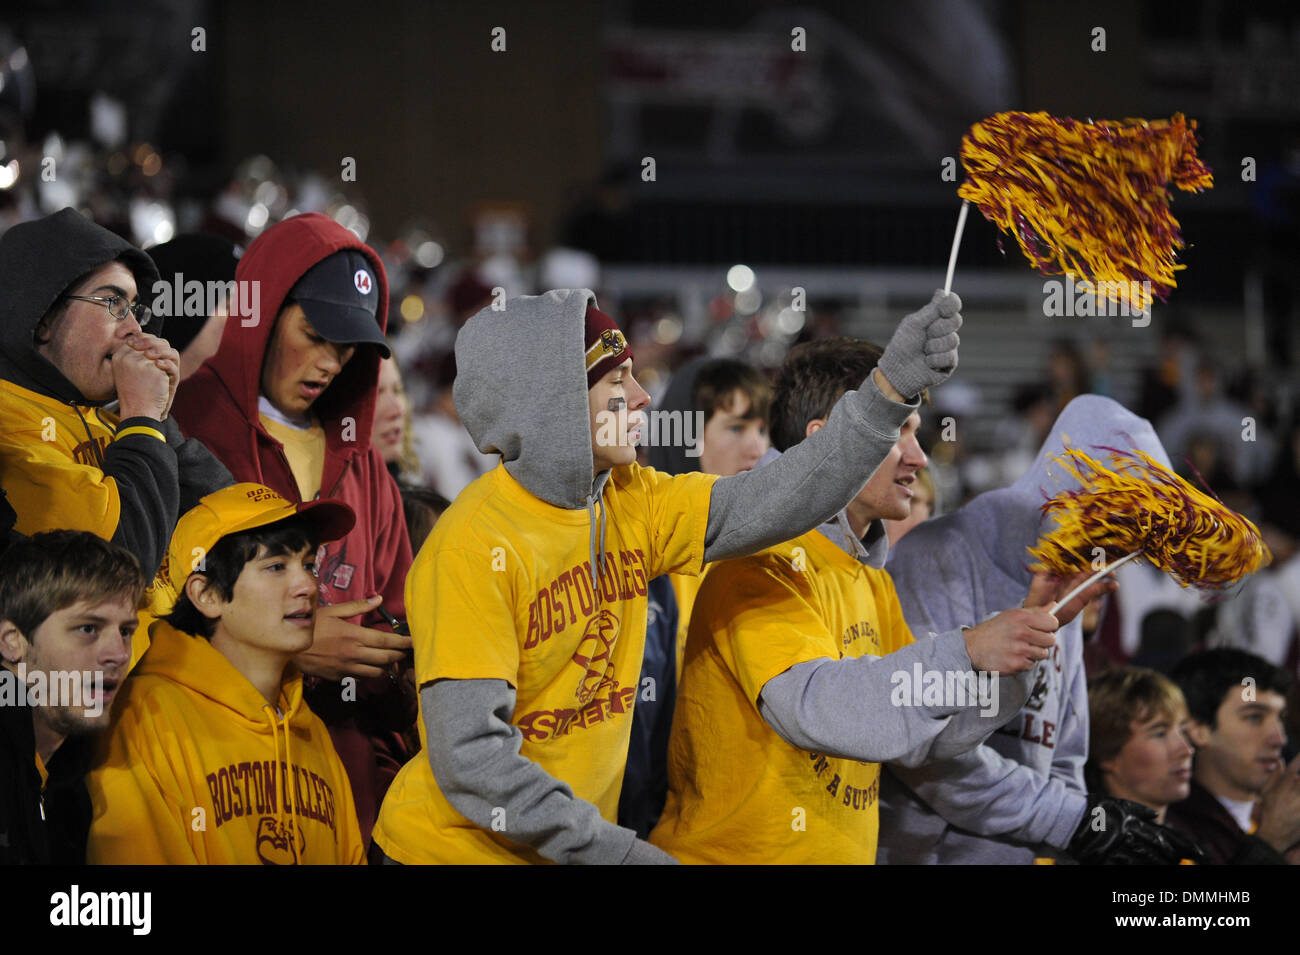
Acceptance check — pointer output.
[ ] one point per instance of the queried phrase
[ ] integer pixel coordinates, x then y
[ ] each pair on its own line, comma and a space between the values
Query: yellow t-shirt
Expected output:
305, 449
684, 589
738, 793
502, 590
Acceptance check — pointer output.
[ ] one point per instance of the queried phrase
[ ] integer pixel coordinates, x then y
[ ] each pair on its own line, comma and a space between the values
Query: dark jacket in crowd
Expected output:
1205, 820
41, 825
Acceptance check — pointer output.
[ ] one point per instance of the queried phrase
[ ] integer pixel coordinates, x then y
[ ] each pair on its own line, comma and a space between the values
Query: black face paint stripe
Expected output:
616, 404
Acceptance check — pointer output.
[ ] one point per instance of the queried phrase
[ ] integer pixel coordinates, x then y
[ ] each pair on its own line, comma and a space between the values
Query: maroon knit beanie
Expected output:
605, 346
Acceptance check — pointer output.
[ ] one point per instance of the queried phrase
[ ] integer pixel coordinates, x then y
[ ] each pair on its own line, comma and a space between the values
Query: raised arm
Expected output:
816, 478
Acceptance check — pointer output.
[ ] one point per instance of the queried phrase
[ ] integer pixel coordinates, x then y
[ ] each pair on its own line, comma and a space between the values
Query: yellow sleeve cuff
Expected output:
141, 429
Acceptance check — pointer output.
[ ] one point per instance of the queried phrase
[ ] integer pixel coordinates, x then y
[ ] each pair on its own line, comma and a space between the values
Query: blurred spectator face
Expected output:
1207, 381
1040, 416
1154, 766
1236, 755
1203, 454
1065, 369
390, 412
733, 441
299, 364
205, 344
80, 340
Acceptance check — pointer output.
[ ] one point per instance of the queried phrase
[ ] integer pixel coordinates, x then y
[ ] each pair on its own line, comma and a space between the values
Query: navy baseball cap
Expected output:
340, 297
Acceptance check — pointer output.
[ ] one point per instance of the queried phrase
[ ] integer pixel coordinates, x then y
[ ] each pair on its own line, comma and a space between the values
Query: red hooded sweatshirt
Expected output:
218, 405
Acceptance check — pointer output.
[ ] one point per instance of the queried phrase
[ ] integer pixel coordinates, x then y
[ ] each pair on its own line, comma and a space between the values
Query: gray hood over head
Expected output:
521, 392
1022, 793
39, 262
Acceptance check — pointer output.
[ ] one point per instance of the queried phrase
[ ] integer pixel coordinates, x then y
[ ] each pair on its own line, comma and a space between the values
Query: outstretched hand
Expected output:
342, 648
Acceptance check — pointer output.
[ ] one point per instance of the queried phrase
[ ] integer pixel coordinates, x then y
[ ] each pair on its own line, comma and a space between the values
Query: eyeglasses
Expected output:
118, 307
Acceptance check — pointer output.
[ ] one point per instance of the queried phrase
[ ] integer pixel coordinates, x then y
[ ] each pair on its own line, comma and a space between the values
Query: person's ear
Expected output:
13, 645
43, 334
813, 426
1198, 733
204, 596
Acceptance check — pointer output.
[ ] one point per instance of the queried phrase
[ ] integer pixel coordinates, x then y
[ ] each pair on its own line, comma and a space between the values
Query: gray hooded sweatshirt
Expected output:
1021, 793
522, 393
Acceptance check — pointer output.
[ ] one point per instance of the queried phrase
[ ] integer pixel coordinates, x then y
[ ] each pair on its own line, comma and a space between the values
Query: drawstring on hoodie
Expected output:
597, 557
90, 438
289, 791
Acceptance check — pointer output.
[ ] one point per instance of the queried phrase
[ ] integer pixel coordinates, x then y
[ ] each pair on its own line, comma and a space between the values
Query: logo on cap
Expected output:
362, 281
612, 341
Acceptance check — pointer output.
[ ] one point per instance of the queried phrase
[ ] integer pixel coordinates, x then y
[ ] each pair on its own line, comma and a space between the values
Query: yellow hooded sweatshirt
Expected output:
198, 768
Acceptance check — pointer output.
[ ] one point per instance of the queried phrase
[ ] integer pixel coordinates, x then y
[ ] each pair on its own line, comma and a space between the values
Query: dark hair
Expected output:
812, 378
422, 506
55, 570
717, 381
1206, 677
223, 564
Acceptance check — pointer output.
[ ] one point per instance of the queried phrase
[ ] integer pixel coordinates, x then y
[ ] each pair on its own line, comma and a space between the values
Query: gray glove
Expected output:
923, 351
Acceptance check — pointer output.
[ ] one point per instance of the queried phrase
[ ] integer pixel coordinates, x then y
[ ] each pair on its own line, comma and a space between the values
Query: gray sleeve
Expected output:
810, 483
999, 700
857, 707
987, 794
474, 753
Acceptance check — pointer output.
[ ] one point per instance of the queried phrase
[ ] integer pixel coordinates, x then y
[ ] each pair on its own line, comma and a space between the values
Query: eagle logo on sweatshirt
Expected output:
595, 655
274, 845
1038, 695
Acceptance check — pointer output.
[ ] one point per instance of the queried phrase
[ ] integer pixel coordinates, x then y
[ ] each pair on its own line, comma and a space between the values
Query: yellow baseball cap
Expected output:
242, 507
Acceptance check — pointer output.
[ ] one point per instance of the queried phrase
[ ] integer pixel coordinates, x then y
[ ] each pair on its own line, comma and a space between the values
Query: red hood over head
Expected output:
276, 260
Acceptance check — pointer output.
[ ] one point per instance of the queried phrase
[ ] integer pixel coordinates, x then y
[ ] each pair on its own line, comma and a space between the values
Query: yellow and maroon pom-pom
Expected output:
1137, 504
1089, 199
